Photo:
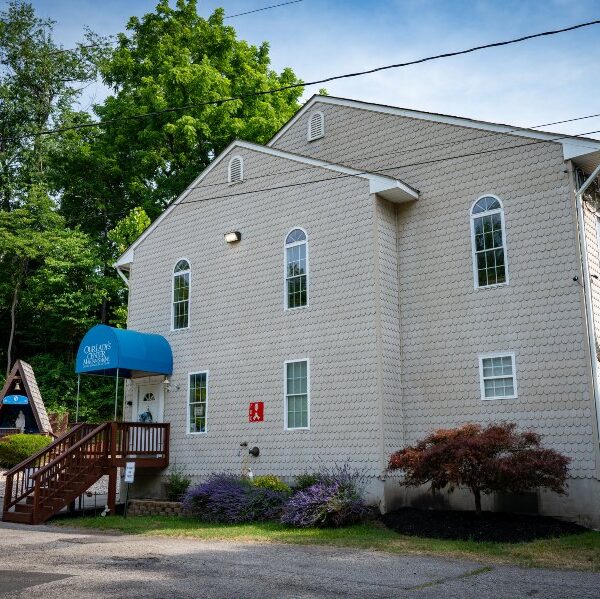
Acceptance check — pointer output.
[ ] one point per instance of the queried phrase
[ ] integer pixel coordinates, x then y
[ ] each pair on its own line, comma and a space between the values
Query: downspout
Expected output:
588, 292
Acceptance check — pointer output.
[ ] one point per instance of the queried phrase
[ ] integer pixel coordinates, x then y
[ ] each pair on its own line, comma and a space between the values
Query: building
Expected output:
369, 275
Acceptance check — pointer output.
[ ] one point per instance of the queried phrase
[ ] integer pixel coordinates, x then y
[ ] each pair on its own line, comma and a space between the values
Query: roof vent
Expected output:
236, 169
316, 126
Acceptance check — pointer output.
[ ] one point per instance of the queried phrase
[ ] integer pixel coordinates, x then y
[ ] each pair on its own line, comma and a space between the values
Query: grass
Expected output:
577, 552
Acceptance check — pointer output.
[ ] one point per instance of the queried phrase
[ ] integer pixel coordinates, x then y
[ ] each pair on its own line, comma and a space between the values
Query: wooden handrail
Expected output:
71, 449
44, 450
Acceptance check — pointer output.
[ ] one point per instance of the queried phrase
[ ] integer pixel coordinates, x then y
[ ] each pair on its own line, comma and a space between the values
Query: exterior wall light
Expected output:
233, 236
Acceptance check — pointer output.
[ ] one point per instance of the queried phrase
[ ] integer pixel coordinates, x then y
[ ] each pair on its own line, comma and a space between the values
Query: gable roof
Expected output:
387, 187
24, 372
573, 146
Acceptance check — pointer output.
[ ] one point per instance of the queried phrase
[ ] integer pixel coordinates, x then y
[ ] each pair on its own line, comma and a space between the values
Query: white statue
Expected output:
20, 421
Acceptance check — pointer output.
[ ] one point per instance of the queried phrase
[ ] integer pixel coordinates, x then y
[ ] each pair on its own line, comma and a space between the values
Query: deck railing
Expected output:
19, 481
4, 432
60, 472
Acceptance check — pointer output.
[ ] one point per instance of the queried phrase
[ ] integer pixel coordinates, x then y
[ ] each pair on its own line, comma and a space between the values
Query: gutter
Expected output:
588, 292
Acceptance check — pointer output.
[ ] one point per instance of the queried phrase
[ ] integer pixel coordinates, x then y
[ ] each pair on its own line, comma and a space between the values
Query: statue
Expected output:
145, 416
20, 421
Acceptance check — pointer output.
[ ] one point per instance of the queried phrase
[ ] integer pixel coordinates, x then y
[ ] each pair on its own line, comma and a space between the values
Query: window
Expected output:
181, 295
316, 126
497, 376
296, 394
236, 170
198, 391
489, 242
296, 269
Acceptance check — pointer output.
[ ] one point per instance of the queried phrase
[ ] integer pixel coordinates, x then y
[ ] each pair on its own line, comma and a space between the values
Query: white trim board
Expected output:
388, 188
572, 146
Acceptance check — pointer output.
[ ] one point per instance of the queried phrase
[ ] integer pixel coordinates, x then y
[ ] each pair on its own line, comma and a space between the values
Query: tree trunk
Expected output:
13, 326
477, 494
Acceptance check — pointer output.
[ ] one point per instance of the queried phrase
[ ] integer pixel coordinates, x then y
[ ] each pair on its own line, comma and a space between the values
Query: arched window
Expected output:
235, 173
296, 269
181, 295
316, 126
489, 242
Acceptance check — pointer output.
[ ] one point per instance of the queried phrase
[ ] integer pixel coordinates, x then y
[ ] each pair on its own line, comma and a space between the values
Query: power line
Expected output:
249, 12
307, 84
240, 14
382, 171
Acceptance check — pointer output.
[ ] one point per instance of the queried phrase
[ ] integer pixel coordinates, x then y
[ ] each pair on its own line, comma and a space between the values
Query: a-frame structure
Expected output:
21, 383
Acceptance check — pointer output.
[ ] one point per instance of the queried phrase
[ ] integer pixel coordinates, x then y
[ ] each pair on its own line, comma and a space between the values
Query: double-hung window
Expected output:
197, 400
488, 242
296, 269
296, 383
181, 295
497, 374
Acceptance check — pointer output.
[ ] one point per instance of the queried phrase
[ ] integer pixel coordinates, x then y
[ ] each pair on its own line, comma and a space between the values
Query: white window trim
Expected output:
500, 210
500, 354
240, 158
285, 277
187, 401
173, 275
285, 406
308, 135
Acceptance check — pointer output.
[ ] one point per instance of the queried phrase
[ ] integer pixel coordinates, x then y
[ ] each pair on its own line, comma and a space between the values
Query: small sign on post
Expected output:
256, 412
129, 472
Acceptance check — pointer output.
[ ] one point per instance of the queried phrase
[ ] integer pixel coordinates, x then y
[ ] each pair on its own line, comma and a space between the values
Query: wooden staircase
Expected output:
53, 478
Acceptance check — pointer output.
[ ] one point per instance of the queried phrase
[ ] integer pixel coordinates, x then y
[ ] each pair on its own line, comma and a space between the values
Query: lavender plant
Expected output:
333, 500
229, 499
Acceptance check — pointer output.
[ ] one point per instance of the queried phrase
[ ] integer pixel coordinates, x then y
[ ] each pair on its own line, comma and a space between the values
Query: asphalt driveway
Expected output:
58, 563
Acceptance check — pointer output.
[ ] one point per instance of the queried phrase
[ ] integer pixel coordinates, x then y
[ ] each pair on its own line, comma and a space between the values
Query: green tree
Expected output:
48, 275
170, 58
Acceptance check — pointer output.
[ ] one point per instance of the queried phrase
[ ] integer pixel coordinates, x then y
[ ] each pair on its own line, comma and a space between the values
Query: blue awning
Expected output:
105, 349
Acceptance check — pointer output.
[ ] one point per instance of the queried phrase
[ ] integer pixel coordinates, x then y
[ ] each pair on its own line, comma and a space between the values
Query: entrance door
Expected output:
150, 399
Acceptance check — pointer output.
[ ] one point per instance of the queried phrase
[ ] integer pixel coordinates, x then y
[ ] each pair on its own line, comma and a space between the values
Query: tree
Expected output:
169, 59
42, 263
494, 458
47, 267
38, 81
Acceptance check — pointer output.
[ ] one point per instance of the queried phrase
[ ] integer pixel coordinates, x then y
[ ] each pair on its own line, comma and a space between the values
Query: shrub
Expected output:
270, 481
305, 480
230, 499
324, 505
494, 458
177, 485
16, 448
333, 499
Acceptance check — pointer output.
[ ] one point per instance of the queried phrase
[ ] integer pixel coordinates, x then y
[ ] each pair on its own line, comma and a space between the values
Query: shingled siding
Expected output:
444, 322
239, 331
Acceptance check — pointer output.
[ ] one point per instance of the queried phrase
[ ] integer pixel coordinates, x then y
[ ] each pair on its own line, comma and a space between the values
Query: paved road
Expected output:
57, 563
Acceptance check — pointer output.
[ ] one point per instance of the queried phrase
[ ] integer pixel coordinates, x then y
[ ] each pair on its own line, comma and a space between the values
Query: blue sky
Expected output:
528, 84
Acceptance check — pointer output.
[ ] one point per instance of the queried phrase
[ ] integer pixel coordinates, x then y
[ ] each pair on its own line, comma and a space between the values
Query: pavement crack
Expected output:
439, 581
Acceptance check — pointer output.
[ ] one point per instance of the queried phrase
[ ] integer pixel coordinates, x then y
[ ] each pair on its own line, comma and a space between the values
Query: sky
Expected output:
528, 84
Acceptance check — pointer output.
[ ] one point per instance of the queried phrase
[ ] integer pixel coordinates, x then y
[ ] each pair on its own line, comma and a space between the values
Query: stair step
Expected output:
23, 508
20, 517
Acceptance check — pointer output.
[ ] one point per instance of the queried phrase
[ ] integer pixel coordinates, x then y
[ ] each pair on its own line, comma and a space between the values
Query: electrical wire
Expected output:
358, 174
306, 84
240, 14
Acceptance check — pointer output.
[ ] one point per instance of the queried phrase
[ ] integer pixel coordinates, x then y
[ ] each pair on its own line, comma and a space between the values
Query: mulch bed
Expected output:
467, 526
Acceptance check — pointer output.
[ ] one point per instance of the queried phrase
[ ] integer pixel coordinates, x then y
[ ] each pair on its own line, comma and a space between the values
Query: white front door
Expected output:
150, 400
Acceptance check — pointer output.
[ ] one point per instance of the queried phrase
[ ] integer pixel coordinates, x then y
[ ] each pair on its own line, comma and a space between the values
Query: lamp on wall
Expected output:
232, 236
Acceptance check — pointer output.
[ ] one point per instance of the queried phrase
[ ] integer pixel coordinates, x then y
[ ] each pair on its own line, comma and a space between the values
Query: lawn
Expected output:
579, 552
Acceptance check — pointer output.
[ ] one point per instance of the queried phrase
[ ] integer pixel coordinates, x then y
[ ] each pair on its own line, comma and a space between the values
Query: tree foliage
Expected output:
483, 459
171, 63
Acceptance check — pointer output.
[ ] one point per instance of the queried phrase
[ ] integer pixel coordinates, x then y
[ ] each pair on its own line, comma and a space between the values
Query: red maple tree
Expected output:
484, 459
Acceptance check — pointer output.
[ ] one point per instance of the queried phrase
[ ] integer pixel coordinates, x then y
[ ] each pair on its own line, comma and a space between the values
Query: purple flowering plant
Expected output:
227, 498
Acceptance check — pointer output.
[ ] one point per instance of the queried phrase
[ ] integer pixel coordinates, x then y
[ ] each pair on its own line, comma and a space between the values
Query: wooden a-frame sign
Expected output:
22, 375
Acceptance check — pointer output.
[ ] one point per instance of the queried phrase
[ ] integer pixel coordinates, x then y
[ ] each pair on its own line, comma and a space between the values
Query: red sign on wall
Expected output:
256, 412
